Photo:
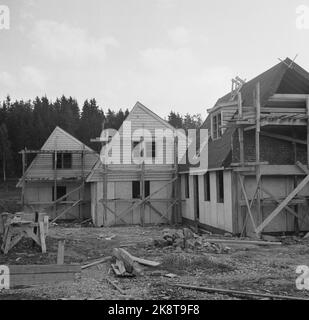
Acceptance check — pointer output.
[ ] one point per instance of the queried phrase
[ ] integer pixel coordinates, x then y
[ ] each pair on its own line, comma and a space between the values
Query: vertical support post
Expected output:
177, 191
55, 180
241, 131
307, 108
24, 179
296, 222
82, 190
105, 183
60, 254
257, 100
142, 189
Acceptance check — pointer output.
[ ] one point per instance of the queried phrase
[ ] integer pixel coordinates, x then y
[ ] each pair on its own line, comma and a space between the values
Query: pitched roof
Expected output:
66, 143
284, 77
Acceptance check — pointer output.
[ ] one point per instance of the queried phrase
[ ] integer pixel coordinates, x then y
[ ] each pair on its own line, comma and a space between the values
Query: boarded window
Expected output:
220, 187
187, 190
64, 161
206, 187
60, 192
136, 190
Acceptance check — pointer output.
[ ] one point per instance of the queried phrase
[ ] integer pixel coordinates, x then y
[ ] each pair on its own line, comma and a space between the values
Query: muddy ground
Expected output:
250, 268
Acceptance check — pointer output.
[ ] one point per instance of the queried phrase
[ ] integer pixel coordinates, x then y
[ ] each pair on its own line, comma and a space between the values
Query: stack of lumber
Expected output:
127, 265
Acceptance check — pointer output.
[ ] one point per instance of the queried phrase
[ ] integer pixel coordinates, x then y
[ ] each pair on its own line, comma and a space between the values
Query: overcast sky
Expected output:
167, 54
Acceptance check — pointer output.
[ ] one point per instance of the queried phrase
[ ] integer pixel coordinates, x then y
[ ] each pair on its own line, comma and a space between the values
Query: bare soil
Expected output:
246, 267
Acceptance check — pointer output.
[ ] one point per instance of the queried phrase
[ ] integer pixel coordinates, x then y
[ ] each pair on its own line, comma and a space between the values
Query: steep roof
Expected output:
284, 77
62, 141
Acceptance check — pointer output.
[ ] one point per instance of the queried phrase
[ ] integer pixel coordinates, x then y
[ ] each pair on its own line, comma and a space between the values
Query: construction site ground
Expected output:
252, 268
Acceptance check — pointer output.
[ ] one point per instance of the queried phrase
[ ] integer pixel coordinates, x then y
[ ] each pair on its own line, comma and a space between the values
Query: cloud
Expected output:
166, 4
7, 80
168, 60
33, 77
179, 36
61, 41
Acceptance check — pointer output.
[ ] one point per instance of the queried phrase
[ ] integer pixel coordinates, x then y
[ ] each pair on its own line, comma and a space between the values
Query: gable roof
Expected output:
67, 143
74, 144
150, 113
278, 79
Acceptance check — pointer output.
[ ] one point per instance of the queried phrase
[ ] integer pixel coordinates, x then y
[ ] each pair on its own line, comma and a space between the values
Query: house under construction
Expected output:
69, 180
258, 158
256, 180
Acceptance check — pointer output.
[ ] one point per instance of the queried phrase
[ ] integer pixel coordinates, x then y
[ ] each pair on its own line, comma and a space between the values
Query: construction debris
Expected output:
96, 262
128, 265
185, 239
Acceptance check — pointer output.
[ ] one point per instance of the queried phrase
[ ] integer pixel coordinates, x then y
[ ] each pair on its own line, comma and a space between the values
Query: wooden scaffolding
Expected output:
174, 203
281, 110
56, 179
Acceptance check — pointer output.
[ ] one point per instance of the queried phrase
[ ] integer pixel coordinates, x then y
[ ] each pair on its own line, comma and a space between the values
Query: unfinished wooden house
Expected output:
54, 182
137, 193
258, 164
68, 180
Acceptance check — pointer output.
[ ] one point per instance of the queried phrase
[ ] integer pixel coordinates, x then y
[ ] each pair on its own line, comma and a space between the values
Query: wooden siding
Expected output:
42, 165
141, 119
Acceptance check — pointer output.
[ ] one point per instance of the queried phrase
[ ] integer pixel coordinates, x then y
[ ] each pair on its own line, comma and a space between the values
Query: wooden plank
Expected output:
43, 269
145, 262
288, 97
283, 204
105, 259
60, 253
307, 109
236, 292
42, 236
247, 202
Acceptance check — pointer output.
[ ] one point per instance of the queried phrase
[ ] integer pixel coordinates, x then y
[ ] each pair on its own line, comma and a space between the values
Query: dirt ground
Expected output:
249, 268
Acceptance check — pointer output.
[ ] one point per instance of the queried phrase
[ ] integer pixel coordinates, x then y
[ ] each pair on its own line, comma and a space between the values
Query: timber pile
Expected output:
127, 265
185, 239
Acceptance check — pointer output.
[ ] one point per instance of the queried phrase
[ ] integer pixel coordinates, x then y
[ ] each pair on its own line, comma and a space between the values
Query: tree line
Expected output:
29, 123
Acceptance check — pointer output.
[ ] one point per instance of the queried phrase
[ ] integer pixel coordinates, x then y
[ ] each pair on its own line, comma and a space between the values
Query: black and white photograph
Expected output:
154, 154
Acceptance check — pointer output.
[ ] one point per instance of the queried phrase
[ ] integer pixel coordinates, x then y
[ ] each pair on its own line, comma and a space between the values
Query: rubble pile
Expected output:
185, 239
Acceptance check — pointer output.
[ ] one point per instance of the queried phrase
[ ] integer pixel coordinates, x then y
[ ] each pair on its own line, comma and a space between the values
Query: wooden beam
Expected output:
257, 148
142, 189
283, 137
283, 204
307, 108
60, 253
247, 201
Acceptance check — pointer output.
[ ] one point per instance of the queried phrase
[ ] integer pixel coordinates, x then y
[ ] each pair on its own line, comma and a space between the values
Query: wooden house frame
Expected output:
56, 188
260, 163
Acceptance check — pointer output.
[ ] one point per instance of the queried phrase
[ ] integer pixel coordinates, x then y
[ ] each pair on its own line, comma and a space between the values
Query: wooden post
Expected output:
257, 97
55, 179
23, 179
82, 190
142, 189
60, 254
105, 184
296, 222
307, 108
241, 132
177, 217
